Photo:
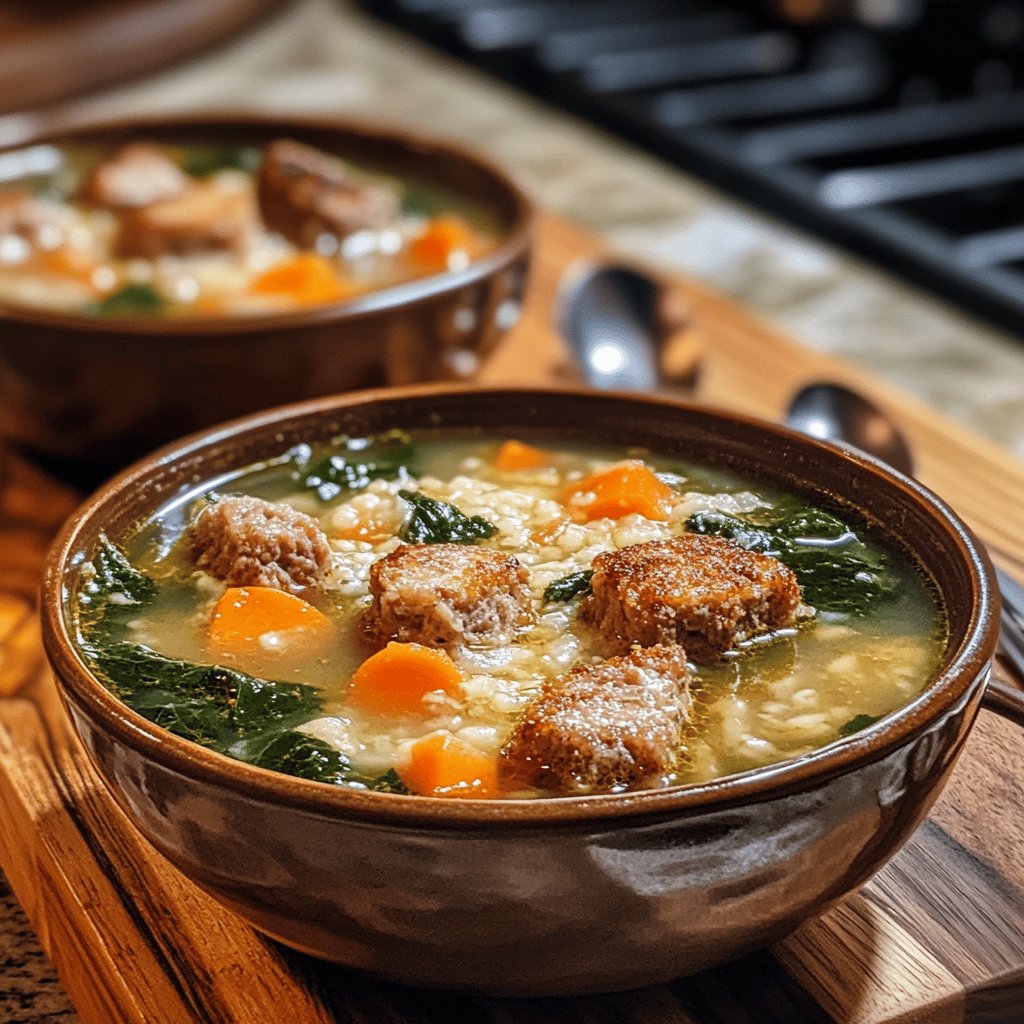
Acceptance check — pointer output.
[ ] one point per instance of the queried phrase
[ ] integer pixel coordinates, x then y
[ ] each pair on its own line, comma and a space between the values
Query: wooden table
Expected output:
937, 937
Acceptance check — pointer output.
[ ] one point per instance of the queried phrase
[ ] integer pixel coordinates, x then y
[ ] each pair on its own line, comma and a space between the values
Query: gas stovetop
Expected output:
894, 127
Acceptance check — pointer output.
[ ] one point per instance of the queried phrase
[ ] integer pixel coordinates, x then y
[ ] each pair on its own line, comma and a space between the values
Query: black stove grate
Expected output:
903, 140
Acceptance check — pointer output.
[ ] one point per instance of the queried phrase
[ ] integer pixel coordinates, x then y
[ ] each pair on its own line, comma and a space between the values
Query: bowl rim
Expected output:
965, 667
515, 240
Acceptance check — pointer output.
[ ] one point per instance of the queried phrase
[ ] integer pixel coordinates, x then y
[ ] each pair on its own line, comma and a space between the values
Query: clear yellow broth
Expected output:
775, 699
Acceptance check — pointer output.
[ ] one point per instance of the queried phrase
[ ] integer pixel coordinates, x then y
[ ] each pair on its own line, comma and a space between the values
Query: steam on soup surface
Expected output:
482, 617
154, 230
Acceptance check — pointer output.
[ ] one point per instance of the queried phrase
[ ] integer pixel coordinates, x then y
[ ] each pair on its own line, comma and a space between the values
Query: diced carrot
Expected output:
309, 278
244, 615
209, 305
394, 681
67, 262
513, 455
444, 236
443, 765
550, 532
627, 487
370, 530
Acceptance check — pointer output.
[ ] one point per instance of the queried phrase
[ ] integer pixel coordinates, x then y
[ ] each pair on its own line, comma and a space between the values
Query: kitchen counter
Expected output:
324, 58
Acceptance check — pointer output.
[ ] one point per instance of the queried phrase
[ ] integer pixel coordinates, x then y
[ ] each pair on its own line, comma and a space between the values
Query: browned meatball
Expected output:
443, 594
704, 592
305, 193
135, 175
208, 217
603, 727
250, 542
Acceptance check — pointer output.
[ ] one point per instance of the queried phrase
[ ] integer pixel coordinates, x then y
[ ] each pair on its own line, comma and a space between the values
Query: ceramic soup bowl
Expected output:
87, 393
543, 896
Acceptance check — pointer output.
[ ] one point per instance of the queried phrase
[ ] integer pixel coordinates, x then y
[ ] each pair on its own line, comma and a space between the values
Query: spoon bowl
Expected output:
831, 412
609, 319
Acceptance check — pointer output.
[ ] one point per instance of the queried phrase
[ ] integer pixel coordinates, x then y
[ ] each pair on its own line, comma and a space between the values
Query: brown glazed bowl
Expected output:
548, 896
86, 395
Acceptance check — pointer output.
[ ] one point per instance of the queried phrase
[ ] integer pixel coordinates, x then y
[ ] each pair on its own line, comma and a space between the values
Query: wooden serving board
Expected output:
936, 938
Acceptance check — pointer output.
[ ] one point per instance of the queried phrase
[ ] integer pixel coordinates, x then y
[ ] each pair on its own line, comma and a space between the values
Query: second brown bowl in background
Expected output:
87, 394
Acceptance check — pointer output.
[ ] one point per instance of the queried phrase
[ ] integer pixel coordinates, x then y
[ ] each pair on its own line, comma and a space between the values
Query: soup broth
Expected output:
865, 640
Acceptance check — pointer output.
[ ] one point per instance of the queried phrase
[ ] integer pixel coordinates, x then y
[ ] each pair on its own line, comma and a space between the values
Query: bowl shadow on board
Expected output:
84, 395
757, 985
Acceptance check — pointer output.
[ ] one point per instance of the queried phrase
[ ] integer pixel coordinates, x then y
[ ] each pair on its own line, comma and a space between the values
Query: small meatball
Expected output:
305, 193
444, 594
135, 175
250, 542
603, 727
209, 217
704, 592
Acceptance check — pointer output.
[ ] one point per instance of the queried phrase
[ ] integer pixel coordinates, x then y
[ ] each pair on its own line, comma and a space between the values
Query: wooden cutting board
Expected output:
935, 938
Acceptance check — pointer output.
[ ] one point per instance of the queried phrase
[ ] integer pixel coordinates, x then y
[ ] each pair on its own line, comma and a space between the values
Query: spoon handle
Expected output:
1002, 695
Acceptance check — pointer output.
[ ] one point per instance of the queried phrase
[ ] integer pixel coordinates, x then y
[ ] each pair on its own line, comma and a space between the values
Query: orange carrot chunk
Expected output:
309, 278
443, 765
548, 533
444, 236
628, 487
244, 615
394, 681
370, 530
69, 263
513, 455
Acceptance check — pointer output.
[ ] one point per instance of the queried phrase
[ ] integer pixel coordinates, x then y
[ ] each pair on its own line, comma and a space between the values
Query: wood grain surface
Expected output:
936, 938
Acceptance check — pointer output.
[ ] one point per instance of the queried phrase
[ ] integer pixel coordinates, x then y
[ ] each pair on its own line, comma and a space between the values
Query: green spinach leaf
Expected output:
389, 782
856, 724
115, 579
127, 301
216, 706
193, 718
568, 587
295, 753
202, 161
745, 534
341, 472
438, 522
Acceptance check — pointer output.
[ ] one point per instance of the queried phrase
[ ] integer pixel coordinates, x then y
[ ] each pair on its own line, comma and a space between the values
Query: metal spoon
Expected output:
832, 412
609, 318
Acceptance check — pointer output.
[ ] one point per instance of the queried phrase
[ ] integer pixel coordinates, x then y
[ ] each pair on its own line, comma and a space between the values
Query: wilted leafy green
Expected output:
389, 782
340, 472
438, 522
837, 571
209, 704
202, 161
132, 298
116, 579
295, 753
568, 587
856, 724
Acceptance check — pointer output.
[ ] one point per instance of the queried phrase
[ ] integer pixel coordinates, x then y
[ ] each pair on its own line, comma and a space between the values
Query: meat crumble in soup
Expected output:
475, 617
150, 230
